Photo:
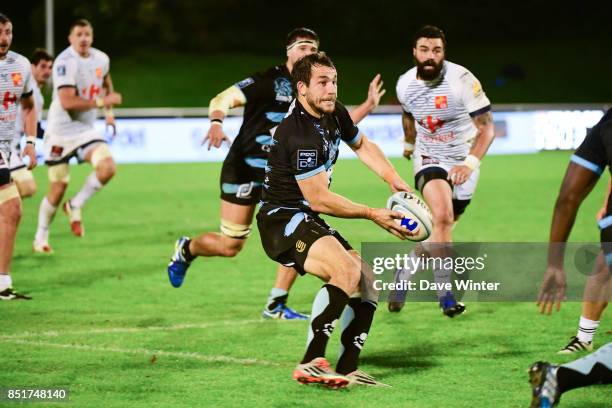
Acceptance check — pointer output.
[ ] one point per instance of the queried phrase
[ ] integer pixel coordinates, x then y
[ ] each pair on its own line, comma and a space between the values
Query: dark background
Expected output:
532, 51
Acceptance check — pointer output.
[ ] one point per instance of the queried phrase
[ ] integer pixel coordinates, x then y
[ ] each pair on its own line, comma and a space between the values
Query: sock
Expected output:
91, 186
406, 274
587, 329
46, 212
596, 368
186, 252
277, 296
326, 309
355, 325
5, 281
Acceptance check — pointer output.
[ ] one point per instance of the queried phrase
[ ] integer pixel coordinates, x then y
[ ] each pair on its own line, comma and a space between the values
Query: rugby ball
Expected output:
417, 217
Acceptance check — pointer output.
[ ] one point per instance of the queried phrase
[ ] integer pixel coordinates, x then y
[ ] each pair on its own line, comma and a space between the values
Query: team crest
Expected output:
441, 102
99, 72
17, 78
300, 246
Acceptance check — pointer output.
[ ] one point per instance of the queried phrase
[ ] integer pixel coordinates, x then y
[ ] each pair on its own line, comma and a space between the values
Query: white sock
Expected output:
46, 212
274, 296
5, 281
91, 186
587, 329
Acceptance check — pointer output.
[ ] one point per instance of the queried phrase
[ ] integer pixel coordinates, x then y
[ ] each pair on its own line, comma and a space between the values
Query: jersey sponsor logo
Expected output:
283, 89
245, 82
425, 160
8, 99
99, 72
307, 159
476, 88
244, 190
433, 124
56, 151
61, 70
300, 246
17, 78
441, 102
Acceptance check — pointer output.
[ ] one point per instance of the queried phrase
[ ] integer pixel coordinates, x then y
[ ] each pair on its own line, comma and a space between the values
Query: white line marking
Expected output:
146, 352
183, 326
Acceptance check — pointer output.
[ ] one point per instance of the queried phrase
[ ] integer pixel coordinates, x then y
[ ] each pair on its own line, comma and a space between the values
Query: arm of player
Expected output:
29, 114
602, 211
71, 101
232, 97
484, 137
409, 134
577, 184
375, 92
322, 200
371, 155
109, 116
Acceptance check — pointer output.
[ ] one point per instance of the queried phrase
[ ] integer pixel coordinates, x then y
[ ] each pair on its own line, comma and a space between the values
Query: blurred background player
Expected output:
295, 191
586, 165
448, 129
41, 72
16, 88
549, 381
266, 97
81, 85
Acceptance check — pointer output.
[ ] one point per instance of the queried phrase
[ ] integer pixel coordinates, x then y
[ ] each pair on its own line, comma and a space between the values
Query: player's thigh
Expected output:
366, 281
328, 259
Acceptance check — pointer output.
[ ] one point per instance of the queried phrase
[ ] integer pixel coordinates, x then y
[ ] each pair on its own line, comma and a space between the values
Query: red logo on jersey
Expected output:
432, 123
441, 102
17, 78
99, 72
91, 92
8, 99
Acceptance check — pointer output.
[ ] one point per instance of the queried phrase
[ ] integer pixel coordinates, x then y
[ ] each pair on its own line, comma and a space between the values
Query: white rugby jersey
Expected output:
15, 82
87, 76
39, 101
443, 111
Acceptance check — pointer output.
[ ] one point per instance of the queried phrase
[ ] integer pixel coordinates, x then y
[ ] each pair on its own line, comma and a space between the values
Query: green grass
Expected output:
114, 278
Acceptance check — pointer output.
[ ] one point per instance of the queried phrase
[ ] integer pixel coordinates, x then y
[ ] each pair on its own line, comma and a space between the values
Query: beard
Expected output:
318, 105
5, 47
426, 73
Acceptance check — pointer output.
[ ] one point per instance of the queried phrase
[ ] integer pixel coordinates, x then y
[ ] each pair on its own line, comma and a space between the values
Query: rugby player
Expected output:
303, 151
41, 72
448, 129
266, 97
586, 165
16, 89
81, 84
549, 381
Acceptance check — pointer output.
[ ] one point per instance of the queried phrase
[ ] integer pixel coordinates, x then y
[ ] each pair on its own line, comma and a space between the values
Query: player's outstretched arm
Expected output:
109, 116
604, 207
484, 137
29, 114
71, 101
230, 98
371, 155
375, 92
409, 134
322, 200
577, 184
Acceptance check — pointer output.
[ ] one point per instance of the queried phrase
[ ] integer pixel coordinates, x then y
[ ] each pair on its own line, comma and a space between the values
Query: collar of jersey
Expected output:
308, 115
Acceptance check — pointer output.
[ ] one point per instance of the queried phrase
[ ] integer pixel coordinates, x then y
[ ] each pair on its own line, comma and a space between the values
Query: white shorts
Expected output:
423, 164
60, 149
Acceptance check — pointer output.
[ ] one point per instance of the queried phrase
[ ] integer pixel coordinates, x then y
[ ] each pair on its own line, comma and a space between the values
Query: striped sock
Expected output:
587, 329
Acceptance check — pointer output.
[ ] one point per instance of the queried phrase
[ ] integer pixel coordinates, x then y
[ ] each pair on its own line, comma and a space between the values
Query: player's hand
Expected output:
215, 137
112, 98
398, 184
552, 290
408, 153
601, 213
30, 151
386, 219
375, 92
110, 123
459, 174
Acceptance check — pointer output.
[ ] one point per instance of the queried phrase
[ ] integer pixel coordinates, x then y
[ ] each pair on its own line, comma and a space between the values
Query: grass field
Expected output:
106, 324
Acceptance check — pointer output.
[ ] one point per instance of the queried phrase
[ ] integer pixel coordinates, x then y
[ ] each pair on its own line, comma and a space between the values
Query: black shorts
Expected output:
241, 178
288, 234
431, 173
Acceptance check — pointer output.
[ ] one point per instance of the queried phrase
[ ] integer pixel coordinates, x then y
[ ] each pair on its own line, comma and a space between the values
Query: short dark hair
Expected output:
81, 22
301, 32
4, 19
302, 70
429, 31
40, 55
